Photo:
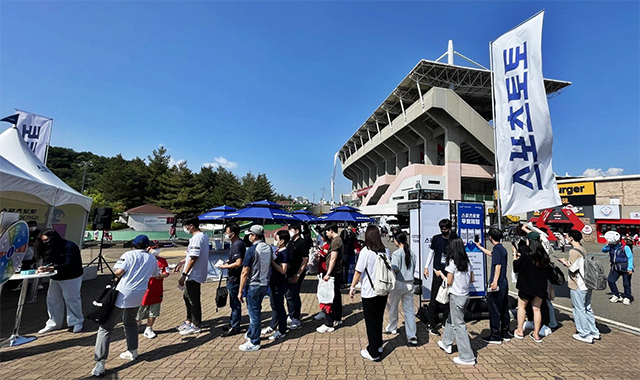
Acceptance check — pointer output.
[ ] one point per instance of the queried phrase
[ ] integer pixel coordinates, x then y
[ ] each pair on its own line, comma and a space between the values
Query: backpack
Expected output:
221, 295
385, 279
104, 304
594, 277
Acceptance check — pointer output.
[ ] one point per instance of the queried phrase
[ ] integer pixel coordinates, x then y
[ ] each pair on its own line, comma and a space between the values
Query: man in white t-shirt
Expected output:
193, 275
134, 269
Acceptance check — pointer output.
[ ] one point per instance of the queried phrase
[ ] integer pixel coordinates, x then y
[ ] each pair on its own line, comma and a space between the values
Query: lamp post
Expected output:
84, 173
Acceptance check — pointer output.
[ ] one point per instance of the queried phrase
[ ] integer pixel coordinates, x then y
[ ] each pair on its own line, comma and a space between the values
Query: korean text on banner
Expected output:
470, 226
524, 137
36, 132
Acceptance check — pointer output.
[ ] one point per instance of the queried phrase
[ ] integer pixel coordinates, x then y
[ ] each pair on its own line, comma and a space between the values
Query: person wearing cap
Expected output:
194, 274
256, 271
621, 259
150, 308
134, 268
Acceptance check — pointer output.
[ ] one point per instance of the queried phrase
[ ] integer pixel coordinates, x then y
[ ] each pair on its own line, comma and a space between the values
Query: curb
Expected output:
618, 325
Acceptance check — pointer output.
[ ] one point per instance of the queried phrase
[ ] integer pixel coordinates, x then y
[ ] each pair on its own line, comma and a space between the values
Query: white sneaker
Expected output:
320, 316
149, 333
457, 360
267, 331
98, 370
365, 354
615, 299
587, 339
545, 331
183, 326
528, 325
337, 323
77, 328
626, 301
413, 341
246, 336
324, 329
277, 335
191, 330
47, 329
248, 346
294, 324
387, 330
289, 320
129, 355
595, 336
446, 349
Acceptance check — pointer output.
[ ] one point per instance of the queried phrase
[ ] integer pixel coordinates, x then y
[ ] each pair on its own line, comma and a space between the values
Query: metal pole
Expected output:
495, 139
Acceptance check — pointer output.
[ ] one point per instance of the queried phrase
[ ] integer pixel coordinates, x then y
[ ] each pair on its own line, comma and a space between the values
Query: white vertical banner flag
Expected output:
36, 132
333, 177
522, 125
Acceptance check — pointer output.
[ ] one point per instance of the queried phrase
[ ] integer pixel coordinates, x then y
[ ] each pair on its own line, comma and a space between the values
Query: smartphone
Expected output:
476, 238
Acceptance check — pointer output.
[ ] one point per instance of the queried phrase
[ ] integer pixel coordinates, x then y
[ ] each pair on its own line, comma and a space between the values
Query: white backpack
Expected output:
385, 279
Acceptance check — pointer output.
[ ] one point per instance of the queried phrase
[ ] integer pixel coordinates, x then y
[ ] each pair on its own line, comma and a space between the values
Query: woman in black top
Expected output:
532, 264
62, 256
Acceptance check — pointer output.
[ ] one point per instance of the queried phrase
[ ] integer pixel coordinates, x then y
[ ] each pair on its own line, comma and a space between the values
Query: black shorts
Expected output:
525, 296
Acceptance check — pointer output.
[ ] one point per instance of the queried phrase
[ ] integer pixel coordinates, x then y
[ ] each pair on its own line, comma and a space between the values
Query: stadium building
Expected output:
429, 139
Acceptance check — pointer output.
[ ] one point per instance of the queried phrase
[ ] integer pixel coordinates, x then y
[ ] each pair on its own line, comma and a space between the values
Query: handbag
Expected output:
558, 276
326, 291
443, 294
221, 295
103, 305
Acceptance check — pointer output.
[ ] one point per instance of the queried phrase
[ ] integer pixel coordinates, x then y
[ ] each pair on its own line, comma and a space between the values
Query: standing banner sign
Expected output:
414, 244
471, 229
36, 132
429, 214
524, 137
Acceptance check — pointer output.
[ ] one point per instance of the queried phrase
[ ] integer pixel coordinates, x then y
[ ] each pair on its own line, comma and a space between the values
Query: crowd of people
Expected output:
257, 269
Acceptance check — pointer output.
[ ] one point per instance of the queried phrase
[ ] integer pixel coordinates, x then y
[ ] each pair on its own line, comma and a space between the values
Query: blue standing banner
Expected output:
470, 222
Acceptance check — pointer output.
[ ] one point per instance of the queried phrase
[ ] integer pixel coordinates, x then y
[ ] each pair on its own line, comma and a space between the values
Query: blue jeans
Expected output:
583, 315
236, 306
614, 275
278, 314
254, 306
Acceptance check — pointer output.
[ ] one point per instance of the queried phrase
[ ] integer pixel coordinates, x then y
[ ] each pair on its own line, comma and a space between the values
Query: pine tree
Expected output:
124, 181
180, 192
249, 188
158, 166
208, 178
228, 190
263, 188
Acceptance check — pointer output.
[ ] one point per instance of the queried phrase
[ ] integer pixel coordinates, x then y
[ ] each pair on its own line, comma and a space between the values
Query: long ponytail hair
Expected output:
401, 238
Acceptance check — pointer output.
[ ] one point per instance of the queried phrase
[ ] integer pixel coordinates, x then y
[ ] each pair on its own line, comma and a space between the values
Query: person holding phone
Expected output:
498, 292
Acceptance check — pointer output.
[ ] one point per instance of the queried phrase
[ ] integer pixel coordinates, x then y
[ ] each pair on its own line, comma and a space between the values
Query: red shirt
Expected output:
154, 290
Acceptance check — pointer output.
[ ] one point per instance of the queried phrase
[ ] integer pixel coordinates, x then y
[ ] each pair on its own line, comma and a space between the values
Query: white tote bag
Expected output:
443, 293
325, 290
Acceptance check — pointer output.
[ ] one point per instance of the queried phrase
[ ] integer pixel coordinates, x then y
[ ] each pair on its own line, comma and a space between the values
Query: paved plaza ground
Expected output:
304, 354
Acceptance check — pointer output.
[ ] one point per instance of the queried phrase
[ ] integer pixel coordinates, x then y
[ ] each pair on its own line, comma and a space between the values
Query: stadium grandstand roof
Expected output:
473, 85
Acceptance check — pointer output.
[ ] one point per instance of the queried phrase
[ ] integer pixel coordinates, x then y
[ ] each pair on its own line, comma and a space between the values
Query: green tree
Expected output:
124, 181
249, 188
228, 190
158, 166
208, 178
263, 188
180, 192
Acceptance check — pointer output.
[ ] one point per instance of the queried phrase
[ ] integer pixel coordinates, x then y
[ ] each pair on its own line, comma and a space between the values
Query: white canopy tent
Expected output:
29, 188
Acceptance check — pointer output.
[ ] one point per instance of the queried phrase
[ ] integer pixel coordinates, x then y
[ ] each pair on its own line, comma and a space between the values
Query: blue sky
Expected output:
278, 87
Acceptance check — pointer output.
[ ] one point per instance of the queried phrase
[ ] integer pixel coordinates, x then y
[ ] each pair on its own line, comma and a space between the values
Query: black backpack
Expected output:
103, 305
558, 276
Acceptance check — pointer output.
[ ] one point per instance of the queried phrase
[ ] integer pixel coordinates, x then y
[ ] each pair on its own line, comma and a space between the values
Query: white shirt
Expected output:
198, 247
367, 259
461, 280
577, 269
138, 267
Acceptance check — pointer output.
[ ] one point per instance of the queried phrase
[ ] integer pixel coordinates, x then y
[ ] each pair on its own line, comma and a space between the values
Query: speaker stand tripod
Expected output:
102, 262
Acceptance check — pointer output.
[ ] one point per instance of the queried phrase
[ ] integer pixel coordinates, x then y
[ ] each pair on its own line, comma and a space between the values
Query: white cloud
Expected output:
173, 162
221, 161
603, 173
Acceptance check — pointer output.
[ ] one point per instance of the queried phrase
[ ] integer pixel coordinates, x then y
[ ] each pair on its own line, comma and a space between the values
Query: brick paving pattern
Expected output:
304, 354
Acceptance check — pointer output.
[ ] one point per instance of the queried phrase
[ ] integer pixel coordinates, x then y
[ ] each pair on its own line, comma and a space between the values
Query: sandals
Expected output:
515, 335
534, 339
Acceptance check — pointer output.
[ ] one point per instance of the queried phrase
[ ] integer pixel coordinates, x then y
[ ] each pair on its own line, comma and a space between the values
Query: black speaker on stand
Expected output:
102, 221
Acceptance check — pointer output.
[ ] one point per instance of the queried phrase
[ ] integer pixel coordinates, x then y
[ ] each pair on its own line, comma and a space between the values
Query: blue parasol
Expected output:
218, 213
304, 216
344, 214
263, 211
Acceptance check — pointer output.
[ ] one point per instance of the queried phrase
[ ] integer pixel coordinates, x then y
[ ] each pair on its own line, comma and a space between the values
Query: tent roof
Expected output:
148, 209
16, 181
15, 150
